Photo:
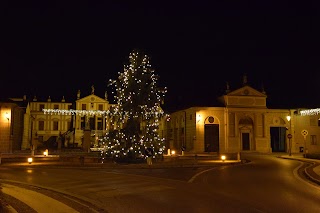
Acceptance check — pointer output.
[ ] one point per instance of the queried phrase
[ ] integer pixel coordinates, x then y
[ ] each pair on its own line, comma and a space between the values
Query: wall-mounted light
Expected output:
7, 116
288, 117
198, 118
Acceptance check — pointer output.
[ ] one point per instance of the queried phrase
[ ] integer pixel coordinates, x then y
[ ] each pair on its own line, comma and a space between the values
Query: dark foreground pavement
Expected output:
204, 160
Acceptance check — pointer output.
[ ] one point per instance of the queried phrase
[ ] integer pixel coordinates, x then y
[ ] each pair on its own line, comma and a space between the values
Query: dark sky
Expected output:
195, 47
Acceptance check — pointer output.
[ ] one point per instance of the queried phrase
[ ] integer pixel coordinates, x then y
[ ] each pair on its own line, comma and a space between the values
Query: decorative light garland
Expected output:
141, 104
310, 112
74, 112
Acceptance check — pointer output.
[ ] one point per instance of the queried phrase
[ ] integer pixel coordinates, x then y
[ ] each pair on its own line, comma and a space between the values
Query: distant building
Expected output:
243, 124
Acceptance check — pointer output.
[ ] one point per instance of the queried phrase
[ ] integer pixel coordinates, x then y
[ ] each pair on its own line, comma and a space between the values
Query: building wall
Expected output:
230, 129
11, 127
5, 129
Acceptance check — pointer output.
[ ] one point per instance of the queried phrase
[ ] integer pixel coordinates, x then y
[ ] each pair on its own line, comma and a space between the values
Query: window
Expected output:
84, 106
99, 123
41, 125
100, 107
313, 139
83, 122
55, 125
69, 107
56, 106
69, 125
41, 107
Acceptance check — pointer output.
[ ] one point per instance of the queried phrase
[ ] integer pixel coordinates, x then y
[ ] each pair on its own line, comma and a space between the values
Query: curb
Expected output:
305, 171
317, 181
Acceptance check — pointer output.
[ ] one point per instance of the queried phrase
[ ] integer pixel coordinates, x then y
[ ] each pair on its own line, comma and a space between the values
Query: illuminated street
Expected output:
266, 184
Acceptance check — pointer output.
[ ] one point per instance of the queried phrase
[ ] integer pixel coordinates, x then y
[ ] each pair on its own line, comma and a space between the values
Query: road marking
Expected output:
196, 175
37, 201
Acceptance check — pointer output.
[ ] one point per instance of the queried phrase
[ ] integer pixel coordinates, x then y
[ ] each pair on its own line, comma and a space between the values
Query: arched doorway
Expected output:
211, 135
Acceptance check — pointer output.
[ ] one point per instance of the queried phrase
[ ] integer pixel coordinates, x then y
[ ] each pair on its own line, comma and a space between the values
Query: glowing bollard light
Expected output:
30, 160
173, 152
223, 158
45, 153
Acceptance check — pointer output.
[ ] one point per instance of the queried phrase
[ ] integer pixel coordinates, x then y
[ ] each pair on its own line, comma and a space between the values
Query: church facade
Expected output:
243, 124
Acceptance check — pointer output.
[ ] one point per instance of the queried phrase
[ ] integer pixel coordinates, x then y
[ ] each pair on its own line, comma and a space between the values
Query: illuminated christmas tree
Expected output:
136, 116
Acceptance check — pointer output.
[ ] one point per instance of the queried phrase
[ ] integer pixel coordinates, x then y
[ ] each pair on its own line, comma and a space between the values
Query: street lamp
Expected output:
289, 135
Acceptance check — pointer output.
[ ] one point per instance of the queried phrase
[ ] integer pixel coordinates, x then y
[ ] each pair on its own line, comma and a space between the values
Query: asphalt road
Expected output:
266, 184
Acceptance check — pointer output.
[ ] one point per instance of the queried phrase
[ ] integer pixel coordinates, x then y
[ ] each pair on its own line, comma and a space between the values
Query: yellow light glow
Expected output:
45, 153
198, 118
7, 116
173, 152
30, 160
288, 117
223, 157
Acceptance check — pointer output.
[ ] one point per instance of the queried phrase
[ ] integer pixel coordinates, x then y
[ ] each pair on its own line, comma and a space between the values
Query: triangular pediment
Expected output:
245, 96
92, 99
246, 91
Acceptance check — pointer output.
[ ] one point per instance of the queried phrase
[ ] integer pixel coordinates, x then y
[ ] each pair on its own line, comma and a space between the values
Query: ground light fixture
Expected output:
173, 152
223, 158
30, 160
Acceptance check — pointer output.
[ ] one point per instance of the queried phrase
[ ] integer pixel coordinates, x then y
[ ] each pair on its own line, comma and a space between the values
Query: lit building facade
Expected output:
56, 124
243, 124
53, 124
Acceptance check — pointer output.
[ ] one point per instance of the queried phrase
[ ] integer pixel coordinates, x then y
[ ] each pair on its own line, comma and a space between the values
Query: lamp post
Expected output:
289, 135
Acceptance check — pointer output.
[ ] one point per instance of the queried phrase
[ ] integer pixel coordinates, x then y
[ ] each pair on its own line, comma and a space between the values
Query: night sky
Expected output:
195, 47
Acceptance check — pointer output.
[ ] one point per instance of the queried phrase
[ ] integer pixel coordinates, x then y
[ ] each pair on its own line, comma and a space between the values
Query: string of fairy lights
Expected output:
138, 102
137, 98
310, 112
